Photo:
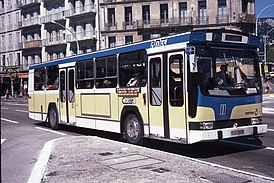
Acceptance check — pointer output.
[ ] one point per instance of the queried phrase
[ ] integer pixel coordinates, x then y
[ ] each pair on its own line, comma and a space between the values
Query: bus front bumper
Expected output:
218, 134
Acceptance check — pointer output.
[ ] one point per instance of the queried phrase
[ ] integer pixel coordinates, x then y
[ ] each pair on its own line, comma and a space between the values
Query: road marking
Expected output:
271, 130
4, 108
267, 110
21, 111
2, 141
52, 131
249, 145
17, 104
8, 120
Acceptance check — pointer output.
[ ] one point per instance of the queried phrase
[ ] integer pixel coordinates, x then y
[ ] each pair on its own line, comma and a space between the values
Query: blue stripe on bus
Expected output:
128, 48
214, 102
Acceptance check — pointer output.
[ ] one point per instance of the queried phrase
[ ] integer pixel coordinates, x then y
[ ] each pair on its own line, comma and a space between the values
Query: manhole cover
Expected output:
106, 153
161, 170
129, 162
225, 178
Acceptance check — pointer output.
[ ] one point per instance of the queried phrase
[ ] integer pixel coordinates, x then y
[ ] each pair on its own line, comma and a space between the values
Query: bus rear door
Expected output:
166, 95
67, 96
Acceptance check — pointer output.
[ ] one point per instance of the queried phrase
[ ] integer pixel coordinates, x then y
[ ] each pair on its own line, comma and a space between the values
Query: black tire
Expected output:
133, 129
53, 118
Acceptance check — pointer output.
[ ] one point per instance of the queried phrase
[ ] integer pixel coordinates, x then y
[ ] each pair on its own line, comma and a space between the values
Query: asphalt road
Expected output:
22, 140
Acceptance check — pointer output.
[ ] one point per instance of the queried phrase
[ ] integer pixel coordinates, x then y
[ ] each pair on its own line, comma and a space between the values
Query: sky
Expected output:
260, 4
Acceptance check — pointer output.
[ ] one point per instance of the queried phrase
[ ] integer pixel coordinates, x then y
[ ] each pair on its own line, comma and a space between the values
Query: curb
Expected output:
40, 166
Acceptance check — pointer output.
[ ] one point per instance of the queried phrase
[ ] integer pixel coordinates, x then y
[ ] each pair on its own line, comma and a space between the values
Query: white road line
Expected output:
4, 108
249, 145
52, 131
8, 120
271, 130
17, 104
21, 111
267, 110
2, 141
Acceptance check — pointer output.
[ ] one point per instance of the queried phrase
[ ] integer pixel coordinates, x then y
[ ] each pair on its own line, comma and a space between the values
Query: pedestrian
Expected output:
7, 94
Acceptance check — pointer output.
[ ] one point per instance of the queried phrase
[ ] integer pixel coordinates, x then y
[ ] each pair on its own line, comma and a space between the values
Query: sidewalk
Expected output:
23, 100
84, 159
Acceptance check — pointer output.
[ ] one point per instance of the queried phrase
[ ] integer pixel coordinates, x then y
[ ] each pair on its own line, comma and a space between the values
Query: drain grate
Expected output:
106, 153
129, 162
225, 178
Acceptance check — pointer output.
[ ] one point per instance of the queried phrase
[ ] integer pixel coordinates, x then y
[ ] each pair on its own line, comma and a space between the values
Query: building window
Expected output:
183, 12
146, 37
222, 16
111, 42
202, 16
164, 13
146, 14
111, 16
128, 15
128, 39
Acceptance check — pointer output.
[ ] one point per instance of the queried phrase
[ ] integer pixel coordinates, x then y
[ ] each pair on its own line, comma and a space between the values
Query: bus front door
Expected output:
67, 96
166, 96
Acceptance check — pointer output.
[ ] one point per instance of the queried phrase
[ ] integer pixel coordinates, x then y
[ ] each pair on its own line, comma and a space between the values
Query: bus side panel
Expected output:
51, 97
39, 105
31, 94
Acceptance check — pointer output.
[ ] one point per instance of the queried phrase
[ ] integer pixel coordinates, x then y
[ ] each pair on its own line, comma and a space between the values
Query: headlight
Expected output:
255, 121
206, 125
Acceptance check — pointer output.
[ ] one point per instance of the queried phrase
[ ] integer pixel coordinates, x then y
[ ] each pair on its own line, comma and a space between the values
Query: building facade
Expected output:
34, 31
127, 21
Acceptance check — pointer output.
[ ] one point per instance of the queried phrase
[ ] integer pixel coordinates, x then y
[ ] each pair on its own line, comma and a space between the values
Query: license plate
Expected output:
237, 132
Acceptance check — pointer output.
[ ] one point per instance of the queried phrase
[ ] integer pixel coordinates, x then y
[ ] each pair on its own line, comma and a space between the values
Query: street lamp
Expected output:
77, 43
256, 29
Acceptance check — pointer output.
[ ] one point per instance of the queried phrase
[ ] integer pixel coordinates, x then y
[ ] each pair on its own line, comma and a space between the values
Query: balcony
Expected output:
154, 23
222, 18
110, 26
202, 20
247, 18
55, 40
83, 35
54, 16
129, 25
23, 67
32, 44
29, 2
31, 21
80, 10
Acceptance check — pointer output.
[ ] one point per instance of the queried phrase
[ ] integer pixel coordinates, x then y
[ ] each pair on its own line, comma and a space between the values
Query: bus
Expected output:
168, 88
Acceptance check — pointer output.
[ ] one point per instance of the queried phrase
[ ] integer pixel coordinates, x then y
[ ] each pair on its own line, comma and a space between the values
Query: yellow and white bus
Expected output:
168, 88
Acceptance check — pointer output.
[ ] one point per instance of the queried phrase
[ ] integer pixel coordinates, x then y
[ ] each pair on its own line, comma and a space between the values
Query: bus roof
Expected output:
178, 38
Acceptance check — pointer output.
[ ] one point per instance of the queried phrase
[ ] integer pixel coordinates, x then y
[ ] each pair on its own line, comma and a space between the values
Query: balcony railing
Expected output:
129, 25
164, 22
32, 44
23, 67
110, 26
27, 2
80, 10
81, 35
202, 20
54, 40
53, 16
18, 25
222, 18
31, 21
247, 18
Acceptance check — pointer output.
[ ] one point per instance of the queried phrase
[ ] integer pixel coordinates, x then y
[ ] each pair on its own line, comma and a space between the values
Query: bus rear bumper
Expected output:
218, 134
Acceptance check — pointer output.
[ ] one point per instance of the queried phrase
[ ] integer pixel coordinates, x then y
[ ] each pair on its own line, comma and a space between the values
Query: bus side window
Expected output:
132, 69
84, 74
52, 78
39, 79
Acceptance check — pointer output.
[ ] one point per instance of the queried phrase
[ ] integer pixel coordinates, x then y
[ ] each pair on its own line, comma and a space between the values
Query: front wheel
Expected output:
53, 118
133, 129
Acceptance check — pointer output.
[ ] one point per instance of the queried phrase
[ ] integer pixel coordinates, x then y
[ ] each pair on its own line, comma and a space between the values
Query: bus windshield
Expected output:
228, 72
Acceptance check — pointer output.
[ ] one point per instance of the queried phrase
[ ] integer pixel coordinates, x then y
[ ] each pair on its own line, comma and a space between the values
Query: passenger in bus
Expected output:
134, 81
106, 84
223, 79
88, 85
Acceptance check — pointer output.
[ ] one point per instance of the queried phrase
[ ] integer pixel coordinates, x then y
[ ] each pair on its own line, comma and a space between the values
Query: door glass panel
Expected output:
175, 80
71, 86
62, 86
155, 80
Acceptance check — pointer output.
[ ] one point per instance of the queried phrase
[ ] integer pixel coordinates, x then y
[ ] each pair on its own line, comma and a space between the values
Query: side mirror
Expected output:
192, 60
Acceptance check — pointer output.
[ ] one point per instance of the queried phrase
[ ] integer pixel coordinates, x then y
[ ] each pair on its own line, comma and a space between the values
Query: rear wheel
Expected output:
53, 118
133, 129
